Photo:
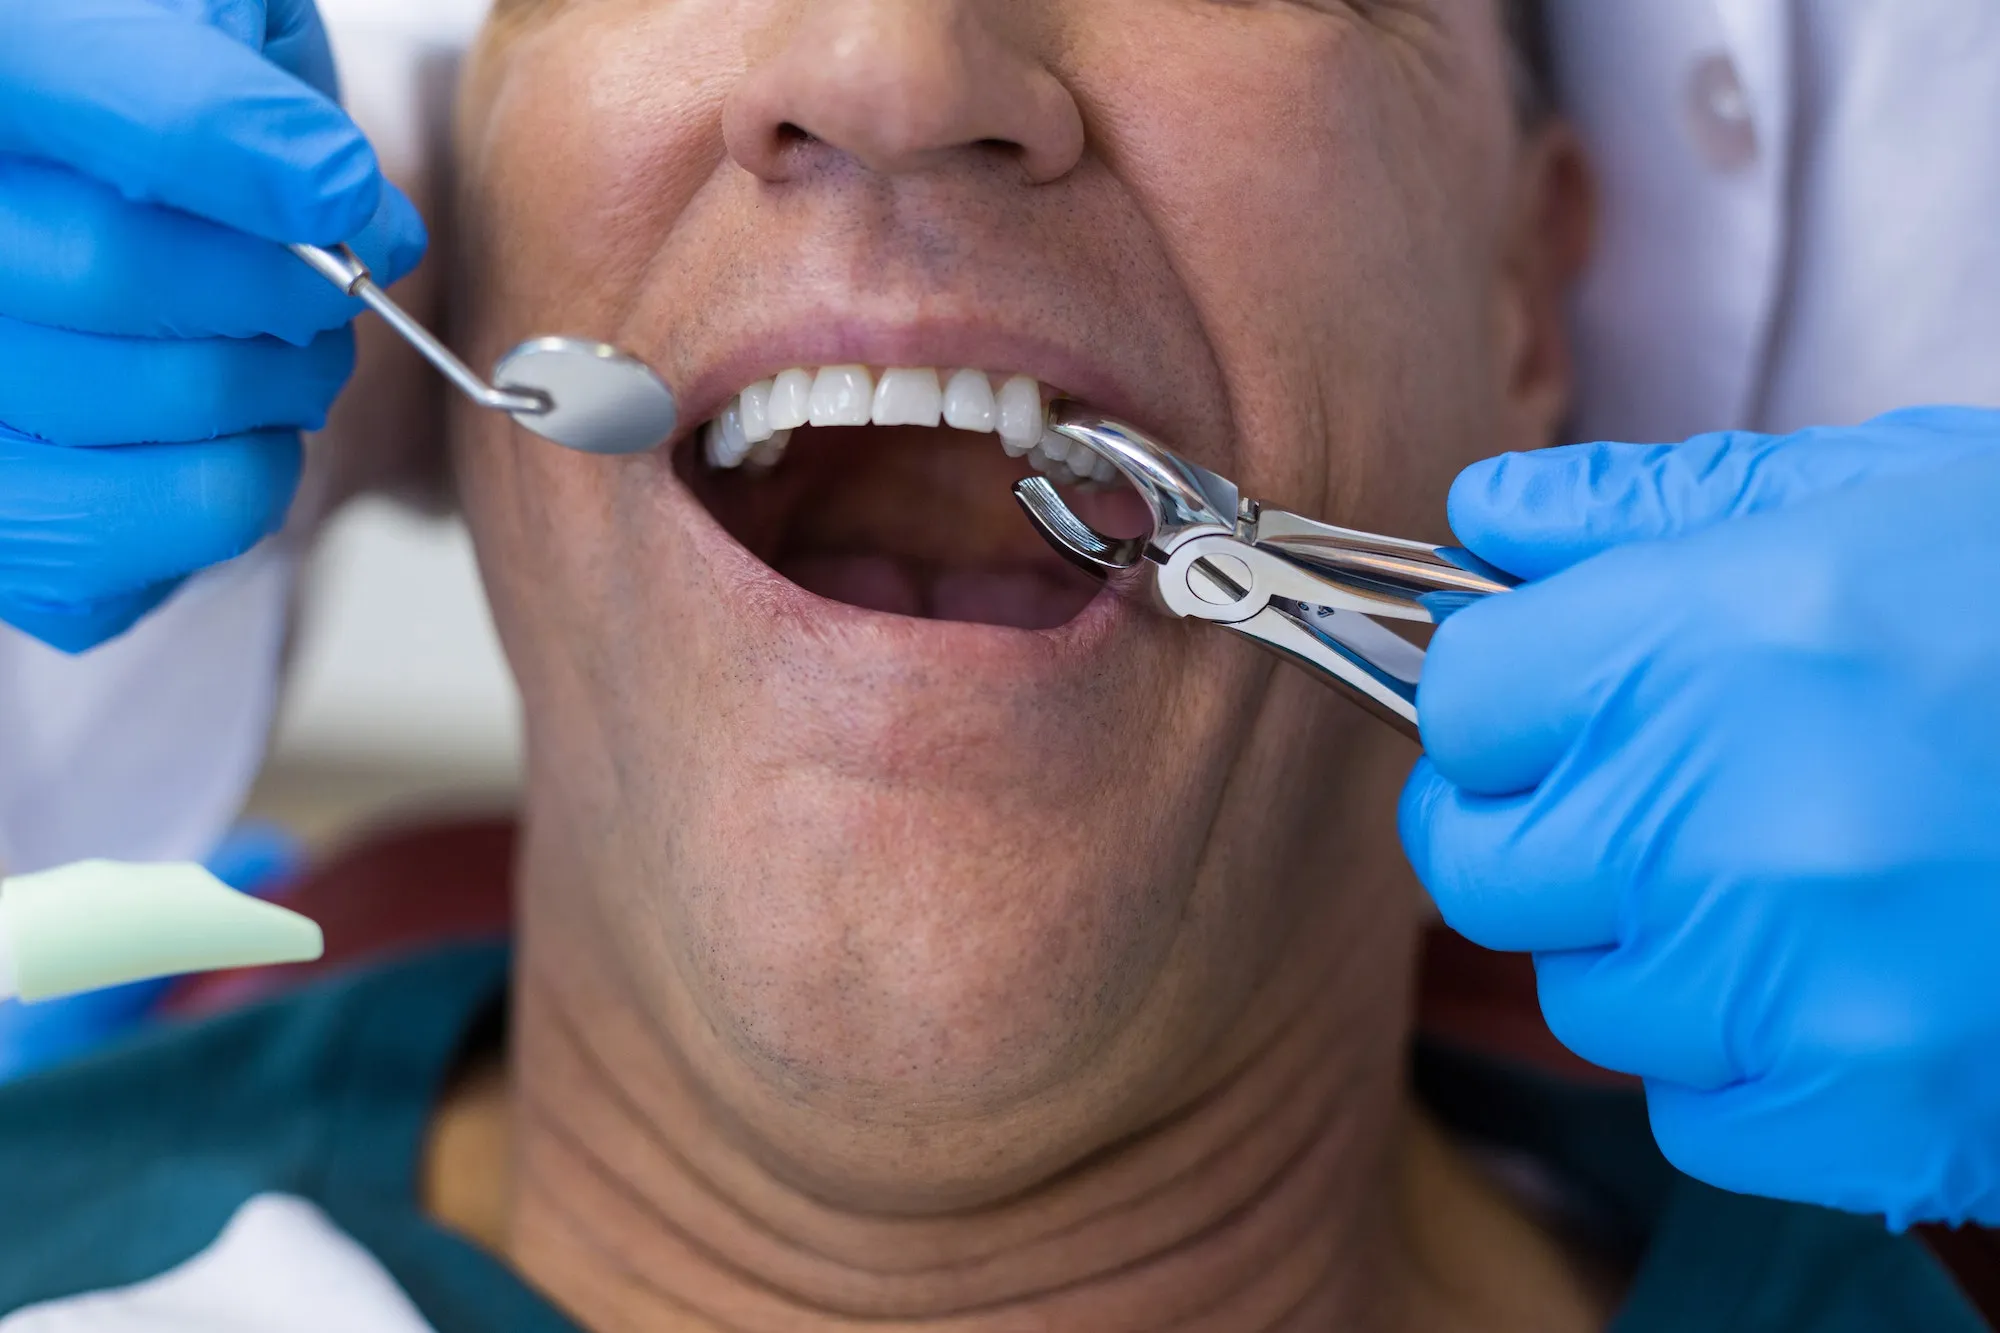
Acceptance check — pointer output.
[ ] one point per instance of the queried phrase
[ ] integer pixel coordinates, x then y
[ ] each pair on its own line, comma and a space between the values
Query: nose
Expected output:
902, 87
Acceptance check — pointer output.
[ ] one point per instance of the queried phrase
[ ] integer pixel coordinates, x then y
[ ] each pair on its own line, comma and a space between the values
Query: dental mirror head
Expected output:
600, 401
584, 395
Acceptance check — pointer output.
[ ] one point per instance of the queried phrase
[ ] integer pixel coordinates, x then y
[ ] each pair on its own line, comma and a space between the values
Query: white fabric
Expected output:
1849, 266
143, 749
279, 1266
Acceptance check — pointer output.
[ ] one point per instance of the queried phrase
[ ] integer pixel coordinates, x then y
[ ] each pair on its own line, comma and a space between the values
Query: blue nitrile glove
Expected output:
1730, 768
159, 350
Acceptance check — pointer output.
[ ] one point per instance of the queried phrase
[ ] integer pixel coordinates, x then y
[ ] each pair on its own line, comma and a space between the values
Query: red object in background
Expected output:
1486, 1001
425, 884
392, 891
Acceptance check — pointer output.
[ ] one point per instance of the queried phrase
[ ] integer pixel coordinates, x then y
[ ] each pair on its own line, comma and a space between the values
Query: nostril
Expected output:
906, 97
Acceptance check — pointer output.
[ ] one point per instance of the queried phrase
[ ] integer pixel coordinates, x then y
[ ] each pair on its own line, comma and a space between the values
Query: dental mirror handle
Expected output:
344, 269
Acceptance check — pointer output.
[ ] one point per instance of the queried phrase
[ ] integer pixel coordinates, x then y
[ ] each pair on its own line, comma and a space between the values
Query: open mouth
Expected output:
889, 489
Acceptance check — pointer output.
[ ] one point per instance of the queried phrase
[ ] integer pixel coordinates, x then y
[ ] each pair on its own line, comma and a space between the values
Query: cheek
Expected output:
1316, 202
596, 130
558, 573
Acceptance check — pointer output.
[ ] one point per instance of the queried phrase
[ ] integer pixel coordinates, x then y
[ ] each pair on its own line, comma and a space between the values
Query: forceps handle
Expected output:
1322, 590
1361, 658
1397, 578
344, 269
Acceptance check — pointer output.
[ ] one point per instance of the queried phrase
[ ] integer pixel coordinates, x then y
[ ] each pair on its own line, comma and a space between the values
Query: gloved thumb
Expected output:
1535, 514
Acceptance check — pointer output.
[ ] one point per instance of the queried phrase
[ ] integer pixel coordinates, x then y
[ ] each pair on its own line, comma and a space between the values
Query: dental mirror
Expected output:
584, 395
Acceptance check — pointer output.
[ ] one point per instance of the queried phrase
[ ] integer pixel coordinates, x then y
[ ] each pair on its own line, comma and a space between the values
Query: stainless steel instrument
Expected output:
1309, 591
584, 395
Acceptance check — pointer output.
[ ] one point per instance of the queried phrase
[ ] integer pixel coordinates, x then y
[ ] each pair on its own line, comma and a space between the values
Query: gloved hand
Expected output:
1730, 768
159, 350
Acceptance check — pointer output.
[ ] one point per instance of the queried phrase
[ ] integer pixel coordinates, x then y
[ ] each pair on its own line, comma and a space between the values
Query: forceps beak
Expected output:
1075, 540
1180, 497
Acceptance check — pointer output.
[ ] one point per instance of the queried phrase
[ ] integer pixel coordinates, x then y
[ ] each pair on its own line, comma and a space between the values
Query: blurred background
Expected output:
398, 698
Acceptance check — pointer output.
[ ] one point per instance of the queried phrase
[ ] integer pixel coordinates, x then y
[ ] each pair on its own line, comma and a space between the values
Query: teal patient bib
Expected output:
291, 1134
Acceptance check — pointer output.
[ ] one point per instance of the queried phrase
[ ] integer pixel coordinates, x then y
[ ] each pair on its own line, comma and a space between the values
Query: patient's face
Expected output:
942, 867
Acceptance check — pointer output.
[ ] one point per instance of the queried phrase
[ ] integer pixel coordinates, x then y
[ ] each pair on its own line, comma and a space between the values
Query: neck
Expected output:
1294, 1191
1261, 1208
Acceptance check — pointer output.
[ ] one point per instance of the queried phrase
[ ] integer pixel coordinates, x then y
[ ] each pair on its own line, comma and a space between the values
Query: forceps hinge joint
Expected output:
1312, 592
1318, 594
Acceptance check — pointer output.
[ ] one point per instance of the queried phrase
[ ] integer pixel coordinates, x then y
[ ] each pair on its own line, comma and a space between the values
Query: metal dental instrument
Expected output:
1309, 591
585, 395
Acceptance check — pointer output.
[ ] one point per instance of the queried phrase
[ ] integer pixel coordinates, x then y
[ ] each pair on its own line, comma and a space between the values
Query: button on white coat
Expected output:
1719, 110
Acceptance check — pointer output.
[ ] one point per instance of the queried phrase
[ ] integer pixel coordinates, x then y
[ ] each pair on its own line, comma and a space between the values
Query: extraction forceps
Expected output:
1312, 592
582, 394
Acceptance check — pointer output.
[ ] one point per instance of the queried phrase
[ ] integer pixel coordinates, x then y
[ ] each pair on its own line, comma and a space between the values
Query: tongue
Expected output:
1021, 598
873, 582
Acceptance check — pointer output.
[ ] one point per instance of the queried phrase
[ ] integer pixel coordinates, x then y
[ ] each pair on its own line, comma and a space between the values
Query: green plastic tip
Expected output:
103, 923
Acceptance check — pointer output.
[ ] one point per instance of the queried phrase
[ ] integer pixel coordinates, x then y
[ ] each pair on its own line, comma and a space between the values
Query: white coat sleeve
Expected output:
142, 749
1798, 204
145, 748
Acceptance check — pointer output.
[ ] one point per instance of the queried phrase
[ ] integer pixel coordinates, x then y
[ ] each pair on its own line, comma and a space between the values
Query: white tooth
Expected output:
712, 446
767, 452
734, 445
1021, 417
1056, 446
1039, 461
755, 402
790, 403
841, 396
1016, 448
968, 402
1102, 468
908, 398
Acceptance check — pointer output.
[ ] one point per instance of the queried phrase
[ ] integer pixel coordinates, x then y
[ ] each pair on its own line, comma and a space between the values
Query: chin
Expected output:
920, 814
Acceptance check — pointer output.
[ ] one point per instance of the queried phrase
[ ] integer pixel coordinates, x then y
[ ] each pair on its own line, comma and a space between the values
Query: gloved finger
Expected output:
166, 391
1626, 880
288, 32
1646, 1009
1812, 1143
1510, 682
295, 40
174, 111
76, 255
1534, 514
1510, 872
79, 627
80, 526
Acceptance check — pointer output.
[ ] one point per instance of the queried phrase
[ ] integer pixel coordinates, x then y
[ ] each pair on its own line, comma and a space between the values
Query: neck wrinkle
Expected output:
1257, 1208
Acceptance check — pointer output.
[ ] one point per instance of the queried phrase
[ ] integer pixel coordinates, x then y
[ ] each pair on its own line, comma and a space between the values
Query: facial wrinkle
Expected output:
1193, 1223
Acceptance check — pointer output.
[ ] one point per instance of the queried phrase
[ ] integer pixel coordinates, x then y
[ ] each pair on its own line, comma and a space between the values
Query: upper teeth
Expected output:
758, 423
